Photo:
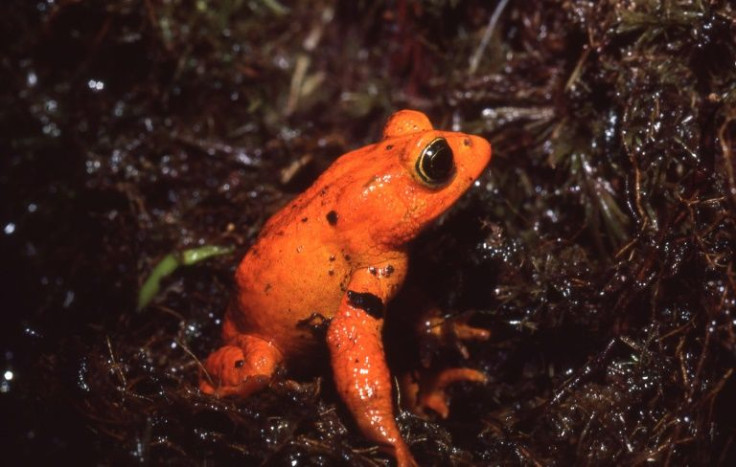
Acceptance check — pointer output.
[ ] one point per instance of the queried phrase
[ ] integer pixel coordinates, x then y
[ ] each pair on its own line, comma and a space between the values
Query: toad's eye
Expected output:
435, 165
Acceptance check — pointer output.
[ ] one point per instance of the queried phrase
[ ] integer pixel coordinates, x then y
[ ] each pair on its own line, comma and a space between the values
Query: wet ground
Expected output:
598, 250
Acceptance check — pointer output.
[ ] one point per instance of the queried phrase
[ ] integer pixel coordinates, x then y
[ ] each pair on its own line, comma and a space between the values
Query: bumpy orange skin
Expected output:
337, 254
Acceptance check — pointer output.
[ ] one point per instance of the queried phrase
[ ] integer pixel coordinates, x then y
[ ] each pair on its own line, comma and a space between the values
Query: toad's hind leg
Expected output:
427, 389
244, 366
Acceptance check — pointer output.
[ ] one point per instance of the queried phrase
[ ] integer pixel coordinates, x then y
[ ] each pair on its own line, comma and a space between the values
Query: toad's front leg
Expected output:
359, 364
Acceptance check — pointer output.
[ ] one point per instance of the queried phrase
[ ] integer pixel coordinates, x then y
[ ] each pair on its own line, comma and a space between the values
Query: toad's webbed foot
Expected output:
426, 389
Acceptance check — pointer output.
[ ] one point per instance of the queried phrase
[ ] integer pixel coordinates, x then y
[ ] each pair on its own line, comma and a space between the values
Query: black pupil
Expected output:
437, 163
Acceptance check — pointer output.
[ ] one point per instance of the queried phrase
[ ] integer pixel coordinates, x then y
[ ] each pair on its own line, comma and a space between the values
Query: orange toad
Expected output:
339, 252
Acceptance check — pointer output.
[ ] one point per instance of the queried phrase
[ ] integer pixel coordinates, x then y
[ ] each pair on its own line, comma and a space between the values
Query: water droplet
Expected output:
96, 85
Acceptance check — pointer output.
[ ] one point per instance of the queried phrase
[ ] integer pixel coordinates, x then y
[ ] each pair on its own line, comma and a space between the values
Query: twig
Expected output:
475, 59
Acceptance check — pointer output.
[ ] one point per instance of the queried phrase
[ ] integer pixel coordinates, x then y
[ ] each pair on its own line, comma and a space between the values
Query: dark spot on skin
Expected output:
373, 270
332, 257
367, 302
267, 288
332, 217
347, 258
294, 206
305, 219
331, 272
467, 142
356, 361
389, 270
389, 147
323, 191
239, 363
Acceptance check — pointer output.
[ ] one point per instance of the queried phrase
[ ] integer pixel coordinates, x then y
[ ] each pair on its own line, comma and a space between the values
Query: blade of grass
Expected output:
171, 263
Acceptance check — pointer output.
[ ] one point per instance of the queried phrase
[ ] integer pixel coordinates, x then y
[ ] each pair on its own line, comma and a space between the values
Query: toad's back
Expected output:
291, 281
